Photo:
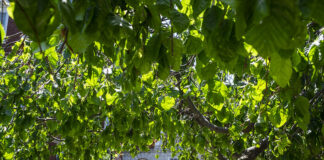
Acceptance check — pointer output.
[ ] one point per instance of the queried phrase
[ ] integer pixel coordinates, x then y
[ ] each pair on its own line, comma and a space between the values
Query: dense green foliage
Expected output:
227, 79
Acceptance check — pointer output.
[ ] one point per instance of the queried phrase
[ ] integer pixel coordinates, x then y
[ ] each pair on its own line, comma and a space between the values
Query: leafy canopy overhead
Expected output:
232, 79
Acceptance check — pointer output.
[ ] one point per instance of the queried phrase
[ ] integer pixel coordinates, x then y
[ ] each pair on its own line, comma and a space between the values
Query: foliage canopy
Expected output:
232, 79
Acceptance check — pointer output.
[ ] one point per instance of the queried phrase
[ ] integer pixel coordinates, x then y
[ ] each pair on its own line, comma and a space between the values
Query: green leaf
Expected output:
110, 99
248, 12
213, 17
218, 107
221, 88
163, 71
133, 3
38, 55
178, 4
302, 114
193, 45
148, 77
280, 69
296, 59
274, 36
165, 3
262, 10
151, 50
217, 92
313, 9
167, 102
8, 155
2, 34
52, 125
203, 68
79, 42
258, 89
69, 15
154, 18
38, 23
199, 6
223, 115
52, 55
163, 68
179, 20
278, 116
282, 29
163, 7
174, 54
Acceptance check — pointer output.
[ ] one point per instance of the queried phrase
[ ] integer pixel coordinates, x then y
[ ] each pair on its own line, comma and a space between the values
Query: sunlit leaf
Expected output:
167, 103
280, 70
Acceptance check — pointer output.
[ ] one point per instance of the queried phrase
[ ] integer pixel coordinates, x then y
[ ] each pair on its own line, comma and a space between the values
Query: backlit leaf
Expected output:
167, 103
302, 112
280, 70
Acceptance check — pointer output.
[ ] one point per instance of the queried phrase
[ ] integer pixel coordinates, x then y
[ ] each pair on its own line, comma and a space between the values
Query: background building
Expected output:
12, 33
150, 155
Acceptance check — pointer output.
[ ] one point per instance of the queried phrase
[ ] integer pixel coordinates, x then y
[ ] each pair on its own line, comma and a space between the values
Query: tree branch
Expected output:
253, 152
221, 157
317, 95
45, 119
249, 154
64, 33
202, 120
57, 139
248, 128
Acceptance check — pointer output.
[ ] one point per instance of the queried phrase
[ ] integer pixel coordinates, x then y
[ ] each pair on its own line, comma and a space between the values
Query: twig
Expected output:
45, 119
58, 139
318, 94
13, 35
60, 50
